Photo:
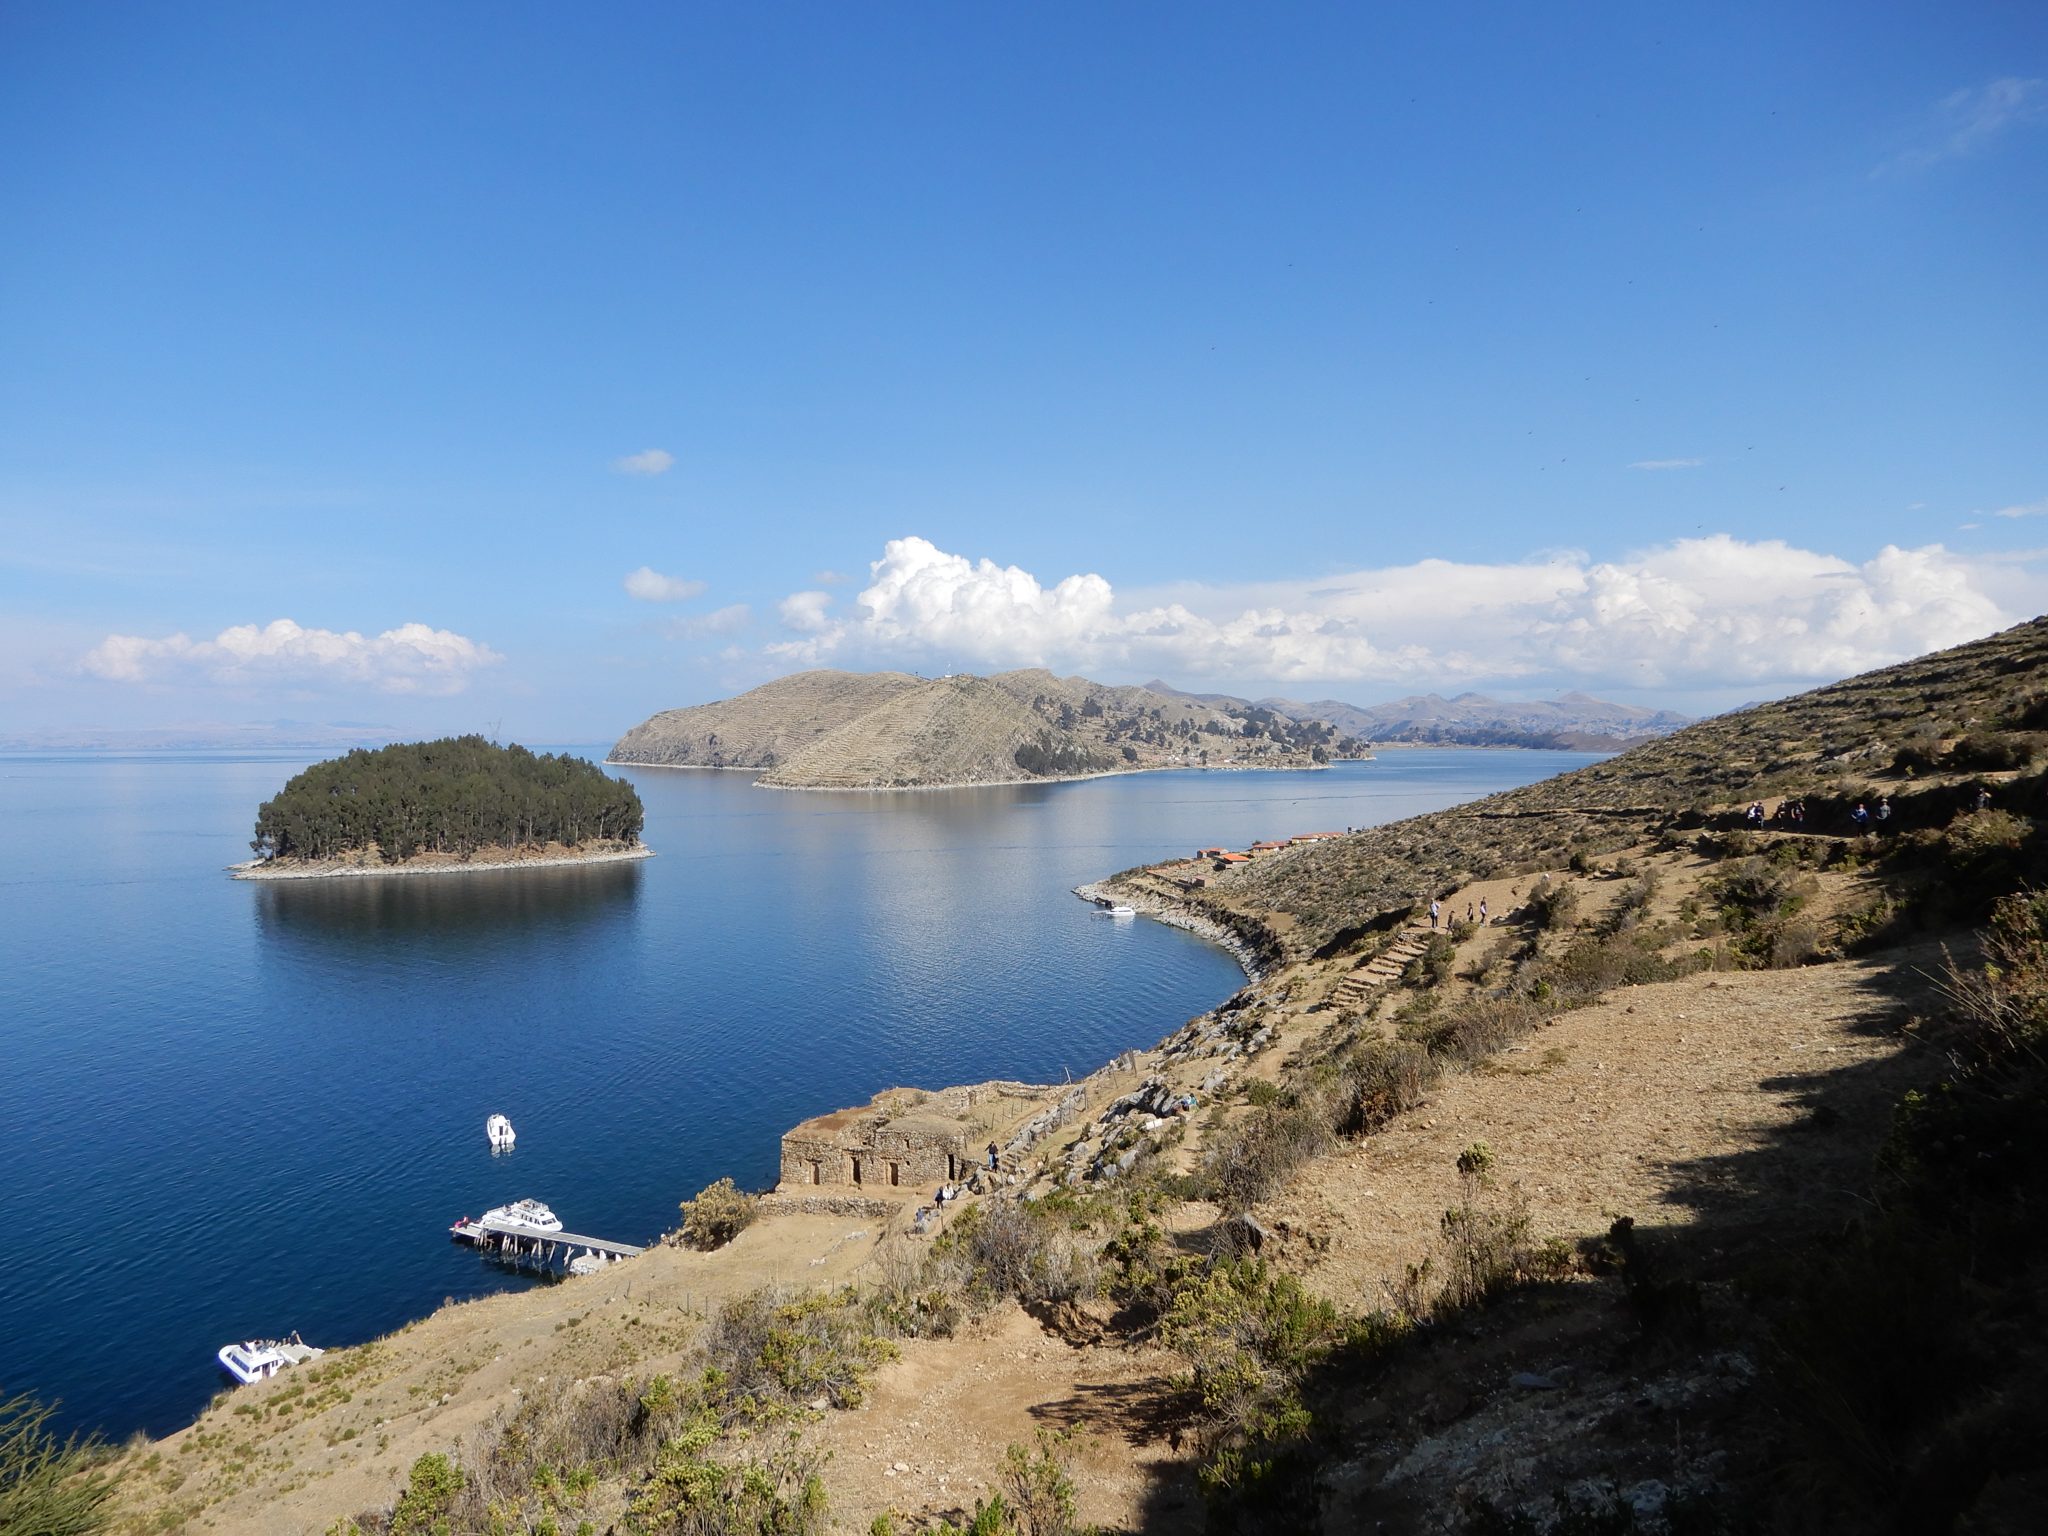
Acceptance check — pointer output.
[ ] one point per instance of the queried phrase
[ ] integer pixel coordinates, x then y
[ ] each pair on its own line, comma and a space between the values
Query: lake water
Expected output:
232, 1109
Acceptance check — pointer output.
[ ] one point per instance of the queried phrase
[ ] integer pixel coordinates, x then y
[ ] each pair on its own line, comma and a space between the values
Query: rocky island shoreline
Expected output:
370, 864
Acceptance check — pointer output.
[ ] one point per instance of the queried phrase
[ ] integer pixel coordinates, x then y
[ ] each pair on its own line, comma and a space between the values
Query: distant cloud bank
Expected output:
1667, 463
648, 585
1714, 611
2028, 509
412, 658
649, 461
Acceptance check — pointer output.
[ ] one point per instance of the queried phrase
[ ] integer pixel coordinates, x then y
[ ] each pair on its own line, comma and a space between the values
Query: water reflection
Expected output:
498, 901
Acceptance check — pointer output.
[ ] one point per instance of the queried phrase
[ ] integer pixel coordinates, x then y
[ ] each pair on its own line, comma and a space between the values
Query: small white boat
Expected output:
498, 1130
259, 1359
1120, 910
526, 1215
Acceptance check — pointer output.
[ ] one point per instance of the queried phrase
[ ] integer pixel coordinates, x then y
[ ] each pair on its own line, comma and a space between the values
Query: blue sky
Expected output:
433, 367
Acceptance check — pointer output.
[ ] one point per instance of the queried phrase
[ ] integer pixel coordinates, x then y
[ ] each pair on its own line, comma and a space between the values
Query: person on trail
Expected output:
991, 1157
1482, 911
1861, 818
1983, 798
1434, 908
1468, 911
1883, 813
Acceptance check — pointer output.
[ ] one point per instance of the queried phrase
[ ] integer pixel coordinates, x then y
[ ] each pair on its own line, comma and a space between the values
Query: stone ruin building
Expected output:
906, 1140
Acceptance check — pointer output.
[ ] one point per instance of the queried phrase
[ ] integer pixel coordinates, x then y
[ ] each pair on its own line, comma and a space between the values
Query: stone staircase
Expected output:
1367, 978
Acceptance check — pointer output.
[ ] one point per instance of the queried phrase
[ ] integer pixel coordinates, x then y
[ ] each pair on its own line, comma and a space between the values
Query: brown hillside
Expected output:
845, 730
764, 726
956, 730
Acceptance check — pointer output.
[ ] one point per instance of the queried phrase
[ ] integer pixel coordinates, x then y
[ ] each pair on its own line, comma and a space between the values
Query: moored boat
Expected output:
498, 1131
523, 1215
253, 1360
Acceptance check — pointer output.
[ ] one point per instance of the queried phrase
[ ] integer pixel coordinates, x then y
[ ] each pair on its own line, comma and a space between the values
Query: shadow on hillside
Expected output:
1726, 1218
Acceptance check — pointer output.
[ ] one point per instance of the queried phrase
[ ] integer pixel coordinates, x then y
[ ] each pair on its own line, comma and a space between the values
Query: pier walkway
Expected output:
515, 1241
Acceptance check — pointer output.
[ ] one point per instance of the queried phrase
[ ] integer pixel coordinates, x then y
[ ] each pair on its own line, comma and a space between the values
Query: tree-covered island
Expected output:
452, 799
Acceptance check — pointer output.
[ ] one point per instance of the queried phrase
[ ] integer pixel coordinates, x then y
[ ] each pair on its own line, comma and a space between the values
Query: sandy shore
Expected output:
258, 869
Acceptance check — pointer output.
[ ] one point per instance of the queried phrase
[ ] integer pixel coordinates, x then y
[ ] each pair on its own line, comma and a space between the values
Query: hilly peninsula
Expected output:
890, 730
458, 803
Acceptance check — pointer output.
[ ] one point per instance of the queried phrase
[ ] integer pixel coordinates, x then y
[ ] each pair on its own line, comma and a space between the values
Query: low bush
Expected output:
720, 1213
1992, 751
1017, 1248
1554, 904
1246, 1166
1382, 1078
691, 1494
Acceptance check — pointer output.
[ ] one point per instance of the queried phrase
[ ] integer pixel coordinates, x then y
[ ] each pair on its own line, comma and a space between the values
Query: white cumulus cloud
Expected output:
413, 658
2029, 509
649, 461
1702, 612
648, 585
804, 612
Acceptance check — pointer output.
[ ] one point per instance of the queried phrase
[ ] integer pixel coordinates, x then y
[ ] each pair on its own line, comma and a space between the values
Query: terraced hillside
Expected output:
845, 730
1917, 732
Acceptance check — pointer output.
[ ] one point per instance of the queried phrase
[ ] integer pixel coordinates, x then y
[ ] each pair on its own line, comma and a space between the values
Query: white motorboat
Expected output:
498, 1131
1123, 911
525, 1215
259, 1359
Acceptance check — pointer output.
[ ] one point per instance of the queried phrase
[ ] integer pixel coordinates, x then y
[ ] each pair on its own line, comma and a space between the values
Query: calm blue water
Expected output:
231, 1109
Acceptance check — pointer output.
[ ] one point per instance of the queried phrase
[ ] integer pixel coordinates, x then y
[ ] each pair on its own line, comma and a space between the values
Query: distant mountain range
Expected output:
883, 730
1572, 721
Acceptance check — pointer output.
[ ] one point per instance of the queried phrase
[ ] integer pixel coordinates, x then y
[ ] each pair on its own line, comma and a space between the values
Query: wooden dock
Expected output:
525, 1245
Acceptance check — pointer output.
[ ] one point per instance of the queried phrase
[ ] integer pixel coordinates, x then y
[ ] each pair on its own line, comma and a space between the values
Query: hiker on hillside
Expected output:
1434, 908
1883, 814
991, 1157
1860, 817
1983, 798
1482, 911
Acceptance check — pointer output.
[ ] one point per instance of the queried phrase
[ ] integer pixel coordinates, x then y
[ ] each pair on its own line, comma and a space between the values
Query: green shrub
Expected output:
1041, 1491
1991, 751
425, 1508
1249, 1336
779, 1495
720, 1213
1554, 904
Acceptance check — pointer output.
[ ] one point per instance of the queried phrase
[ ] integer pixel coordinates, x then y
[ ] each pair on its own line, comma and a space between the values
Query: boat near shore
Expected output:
519, 1216
253, 1360
498, 1131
